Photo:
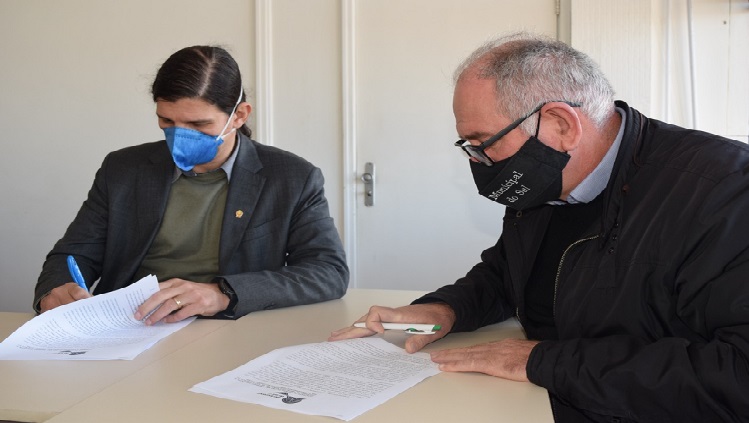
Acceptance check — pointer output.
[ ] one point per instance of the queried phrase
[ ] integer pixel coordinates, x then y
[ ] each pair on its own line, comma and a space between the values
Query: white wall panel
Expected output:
74, 85
305, 55
738, 71
617, 35
684, 62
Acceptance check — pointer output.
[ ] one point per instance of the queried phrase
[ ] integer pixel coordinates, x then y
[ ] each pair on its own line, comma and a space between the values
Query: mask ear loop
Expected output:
234, 109
538, 123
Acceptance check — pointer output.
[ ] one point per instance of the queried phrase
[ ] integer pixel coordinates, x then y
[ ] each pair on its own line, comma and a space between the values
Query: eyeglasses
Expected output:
477, 151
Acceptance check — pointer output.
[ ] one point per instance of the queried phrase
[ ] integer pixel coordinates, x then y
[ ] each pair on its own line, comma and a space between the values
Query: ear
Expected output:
241, 114
562, 123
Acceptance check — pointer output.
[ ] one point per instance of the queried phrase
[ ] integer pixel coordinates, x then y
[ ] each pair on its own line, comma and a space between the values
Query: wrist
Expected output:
38, 306
228, 291
445, 310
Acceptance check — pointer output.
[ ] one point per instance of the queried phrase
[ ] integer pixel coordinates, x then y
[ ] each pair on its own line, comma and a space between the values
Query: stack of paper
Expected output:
98, 328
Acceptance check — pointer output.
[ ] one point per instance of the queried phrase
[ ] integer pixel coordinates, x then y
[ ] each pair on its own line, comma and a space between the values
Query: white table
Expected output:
157, 388
34, 391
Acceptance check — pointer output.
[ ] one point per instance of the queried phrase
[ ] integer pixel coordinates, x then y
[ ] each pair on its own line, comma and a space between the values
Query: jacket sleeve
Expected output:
482, 296
85, 238
315, 263
699, 371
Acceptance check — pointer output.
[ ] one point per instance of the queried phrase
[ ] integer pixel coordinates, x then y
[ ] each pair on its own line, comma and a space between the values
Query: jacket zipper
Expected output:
559, 269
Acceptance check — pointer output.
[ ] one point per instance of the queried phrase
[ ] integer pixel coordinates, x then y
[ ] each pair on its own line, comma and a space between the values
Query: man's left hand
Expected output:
179, 299
506, 359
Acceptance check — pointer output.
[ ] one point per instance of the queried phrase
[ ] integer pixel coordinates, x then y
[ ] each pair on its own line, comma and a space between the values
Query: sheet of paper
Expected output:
98, 328
338, 379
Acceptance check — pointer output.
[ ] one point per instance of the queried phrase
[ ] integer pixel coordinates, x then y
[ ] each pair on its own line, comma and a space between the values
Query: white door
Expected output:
428, 225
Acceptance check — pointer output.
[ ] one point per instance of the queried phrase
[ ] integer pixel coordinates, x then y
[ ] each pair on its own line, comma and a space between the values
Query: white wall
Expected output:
701, 65
687, 67
75, 76
306, 87
617, 35
74, 85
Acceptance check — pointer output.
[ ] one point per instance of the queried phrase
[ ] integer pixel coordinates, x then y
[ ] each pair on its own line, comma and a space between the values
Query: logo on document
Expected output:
284, 396
290, 400
69, 352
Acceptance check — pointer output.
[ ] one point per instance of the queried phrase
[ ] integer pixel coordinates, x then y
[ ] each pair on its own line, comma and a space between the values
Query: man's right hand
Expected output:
62, 295
434, 313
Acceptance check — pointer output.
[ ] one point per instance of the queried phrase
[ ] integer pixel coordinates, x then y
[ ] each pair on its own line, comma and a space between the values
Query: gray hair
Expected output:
530, 70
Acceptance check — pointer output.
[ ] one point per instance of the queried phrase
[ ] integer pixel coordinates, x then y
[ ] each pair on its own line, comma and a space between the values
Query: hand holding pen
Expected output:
75, 272
440, 318
67, 293
409, 328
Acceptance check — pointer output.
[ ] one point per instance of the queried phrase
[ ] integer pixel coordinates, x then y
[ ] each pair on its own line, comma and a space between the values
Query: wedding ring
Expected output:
179, 303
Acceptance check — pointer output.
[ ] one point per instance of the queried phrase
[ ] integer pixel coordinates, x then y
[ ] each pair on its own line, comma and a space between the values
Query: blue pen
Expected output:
75, 272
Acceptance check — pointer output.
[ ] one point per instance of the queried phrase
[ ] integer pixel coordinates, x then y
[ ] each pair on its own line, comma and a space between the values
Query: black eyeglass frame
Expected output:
477, 151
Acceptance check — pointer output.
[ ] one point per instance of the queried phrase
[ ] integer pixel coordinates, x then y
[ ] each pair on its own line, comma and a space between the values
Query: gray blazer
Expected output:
284, 249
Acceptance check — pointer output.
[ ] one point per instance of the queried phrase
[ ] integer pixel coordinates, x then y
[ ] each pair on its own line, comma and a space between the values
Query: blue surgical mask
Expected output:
190, 147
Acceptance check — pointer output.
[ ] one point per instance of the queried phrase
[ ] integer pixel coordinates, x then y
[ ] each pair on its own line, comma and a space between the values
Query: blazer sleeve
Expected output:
85, 238
314, 267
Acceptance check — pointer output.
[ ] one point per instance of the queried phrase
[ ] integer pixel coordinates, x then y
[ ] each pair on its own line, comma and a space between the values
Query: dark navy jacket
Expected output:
652, 305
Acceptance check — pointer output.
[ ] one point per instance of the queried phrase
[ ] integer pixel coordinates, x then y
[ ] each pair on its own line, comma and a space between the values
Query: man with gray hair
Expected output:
624, 251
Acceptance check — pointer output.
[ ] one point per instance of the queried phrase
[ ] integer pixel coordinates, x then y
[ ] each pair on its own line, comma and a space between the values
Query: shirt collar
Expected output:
227, 166
596, 181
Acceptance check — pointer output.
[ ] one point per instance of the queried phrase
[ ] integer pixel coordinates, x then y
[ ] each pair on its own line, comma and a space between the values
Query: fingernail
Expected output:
138, 316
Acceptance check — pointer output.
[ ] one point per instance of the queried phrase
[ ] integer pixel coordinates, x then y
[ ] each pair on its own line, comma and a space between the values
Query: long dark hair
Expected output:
205, 72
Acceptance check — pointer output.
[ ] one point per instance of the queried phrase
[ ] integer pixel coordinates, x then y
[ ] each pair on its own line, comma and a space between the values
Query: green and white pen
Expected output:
414, 328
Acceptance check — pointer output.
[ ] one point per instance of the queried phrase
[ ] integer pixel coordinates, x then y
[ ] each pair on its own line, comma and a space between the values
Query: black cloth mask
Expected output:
528, 178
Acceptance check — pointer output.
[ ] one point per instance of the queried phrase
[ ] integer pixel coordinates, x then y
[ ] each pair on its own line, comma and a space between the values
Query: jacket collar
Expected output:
245, 188
625, 165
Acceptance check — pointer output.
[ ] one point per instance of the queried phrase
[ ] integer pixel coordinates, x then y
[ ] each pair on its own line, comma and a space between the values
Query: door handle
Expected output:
368, 177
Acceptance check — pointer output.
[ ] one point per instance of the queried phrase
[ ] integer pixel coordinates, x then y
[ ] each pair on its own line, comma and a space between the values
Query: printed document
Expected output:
98, 328
340, 379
